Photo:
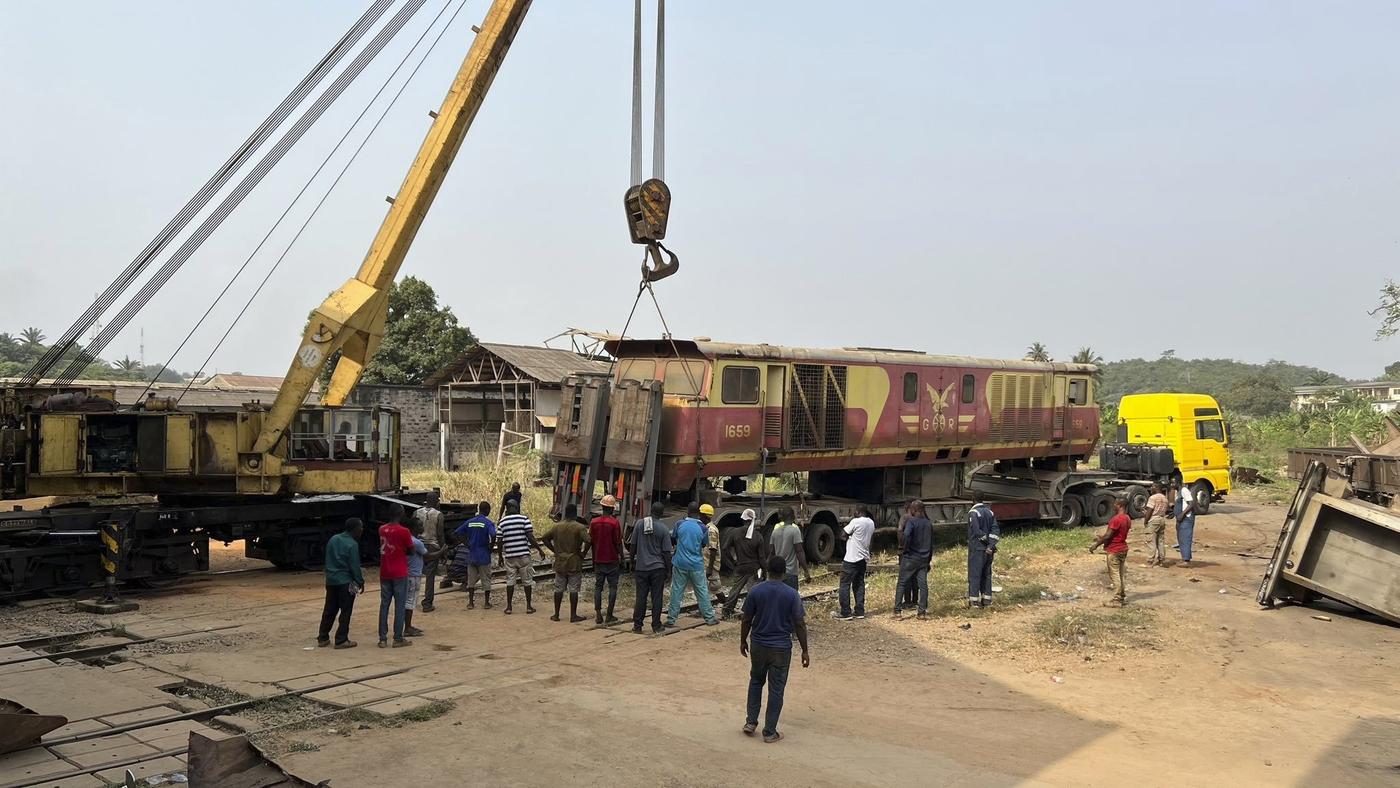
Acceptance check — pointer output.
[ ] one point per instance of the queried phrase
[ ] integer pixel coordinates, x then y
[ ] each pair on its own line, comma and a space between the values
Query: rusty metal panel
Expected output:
636, 410
1338, 547
583, 417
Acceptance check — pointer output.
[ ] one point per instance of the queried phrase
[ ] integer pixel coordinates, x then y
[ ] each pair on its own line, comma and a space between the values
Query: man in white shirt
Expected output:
857, 533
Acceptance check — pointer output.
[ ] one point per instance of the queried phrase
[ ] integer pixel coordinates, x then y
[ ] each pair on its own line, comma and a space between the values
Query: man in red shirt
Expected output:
1115, 545
395, 542
606, 534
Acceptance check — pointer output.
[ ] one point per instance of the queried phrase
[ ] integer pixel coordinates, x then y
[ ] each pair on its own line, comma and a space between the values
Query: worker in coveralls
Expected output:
983, 533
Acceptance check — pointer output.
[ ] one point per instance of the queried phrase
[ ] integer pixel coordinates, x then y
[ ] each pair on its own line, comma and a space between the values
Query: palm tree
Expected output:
31, 337
1086, 355
128, 365
1037, 352
8, 345
1320, 378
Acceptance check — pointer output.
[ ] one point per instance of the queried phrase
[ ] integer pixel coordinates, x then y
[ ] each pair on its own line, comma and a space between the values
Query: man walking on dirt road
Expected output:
983, 533
569, 543
606, 535
651, 553
1115, 542
516, 535
344, 580
772, 614
750, 557
688, 567
914, 559
395, 542
1154, 518
787, 544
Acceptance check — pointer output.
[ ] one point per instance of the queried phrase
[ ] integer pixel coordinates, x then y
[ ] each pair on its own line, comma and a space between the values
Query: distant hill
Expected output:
1214, 376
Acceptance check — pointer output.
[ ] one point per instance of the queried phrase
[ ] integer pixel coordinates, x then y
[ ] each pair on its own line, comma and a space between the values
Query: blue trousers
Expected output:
912, 572
770, 665
395, 592
979, 574
1185, 530
853, 582
695, 578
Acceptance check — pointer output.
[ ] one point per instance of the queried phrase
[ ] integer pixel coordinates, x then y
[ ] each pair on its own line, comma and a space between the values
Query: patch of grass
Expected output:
485, 481
302, 746
1122, 628
424, 713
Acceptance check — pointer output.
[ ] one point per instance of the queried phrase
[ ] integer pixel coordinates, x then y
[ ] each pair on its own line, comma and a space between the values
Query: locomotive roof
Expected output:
707, 348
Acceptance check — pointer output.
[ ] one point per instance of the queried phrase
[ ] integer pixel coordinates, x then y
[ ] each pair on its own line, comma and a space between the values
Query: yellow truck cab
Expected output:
1192, 425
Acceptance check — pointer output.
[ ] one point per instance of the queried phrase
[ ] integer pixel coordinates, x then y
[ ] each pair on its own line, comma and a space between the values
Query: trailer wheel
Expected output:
820, 542
1101, 507
1071, 511
1200, 496
1136, 496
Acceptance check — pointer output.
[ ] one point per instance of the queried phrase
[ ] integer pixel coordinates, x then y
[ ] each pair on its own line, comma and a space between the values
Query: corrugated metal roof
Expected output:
543, 364
711, 349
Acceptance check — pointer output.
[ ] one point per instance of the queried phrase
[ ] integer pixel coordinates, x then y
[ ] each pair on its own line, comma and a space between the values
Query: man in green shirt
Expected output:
344, 580
569, 541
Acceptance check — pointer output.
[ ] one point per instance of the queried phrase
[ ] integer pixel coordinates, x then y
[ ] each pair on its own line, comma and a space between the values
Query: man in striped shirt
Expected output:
516, 537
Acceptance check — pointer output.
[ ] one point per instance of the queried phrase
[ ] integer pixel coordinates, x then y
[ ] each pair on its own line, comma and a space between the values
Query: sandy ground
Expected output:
1210, 689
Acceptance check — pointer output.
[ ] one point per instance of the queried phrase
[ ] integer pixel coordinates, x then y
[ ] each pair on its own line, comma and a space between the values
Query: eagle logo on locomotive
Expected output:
940, 420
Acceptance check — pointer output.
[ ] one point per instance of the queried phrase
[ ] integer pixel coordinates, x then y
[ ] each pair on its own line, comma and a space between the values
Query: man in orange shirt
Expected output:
1115, 545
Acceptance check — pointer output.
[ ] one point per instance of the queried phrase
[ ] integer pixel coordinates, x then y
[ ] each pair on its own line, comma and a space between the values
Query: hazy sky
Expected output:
1216, 178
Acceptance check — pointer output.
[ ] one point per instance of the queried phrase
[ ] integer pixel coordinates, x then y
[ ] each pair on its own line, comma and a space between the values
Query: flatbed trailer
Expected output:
56, 549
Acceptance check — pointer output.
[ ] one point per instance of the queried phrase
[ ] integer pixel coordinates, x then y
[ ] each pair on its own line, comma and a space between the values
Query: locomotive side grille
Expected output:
772, 423
816, 407
996, 404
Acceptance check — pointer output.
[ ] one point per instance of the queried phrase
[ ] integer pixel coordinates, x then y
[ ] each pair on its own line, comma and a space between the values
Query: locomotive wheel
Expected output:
820, 542
1100, 507
1136, 496
1072, 511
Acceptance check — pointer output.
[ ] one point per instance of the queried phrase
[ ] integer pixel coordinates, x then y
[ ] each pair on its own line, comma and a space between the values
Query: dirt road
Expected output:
1194, 685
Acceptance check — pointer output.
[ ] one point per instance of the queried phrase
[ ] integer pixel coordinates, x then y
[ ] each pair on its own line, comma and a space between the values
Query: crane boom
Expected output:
352, 319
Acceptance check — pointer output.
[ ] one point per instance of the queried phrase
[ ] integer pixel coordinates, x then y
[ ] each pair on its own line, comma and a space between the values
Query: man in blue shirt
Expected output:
772, 613
688, 567
983, 534
478, 534
916, 554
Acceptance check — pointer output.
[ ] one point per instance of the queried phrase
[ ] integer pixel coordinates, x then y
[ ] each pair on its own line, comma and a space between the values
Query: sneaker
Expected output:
610, 620
769, 738
636, 630
749, 728
714, 622
426, 607
347, 644
323, 642
402, 643
529, 610
860, 616
413, 632
841, 616
922, 616
383, 644
598, 618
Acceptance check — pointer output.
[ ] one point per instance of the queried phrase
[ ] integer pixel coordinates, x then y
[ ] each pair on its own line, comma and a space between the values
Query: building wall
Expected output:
418, 421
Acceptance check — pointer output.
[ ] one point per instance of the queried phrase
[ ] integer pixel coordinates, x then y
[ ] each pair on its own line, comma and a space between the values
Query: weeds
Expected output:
1123, 628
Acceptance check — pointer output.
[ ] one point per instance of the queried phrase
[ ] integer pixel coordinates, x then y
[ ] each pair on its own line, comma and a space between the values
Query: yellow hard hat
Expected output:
707, 509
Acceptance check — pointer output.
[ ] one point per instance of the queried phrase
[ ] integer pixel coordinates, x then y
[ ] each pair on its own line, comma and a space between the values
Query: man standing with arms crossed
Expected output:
569, 543
858, 533
606, 535
772, 614
787, 544
516, 537
1155, 520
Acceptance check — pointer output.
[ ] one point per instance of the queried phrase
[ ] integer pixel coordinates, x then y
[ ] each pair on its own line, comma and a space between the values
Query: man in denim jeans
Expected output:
395, 542
857, 533
772, 613
688, 567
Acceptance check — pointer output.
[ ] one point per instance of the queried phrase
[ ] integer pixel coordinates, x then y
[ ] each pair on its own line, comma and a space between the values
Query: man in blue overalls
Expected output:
983, 533
1185, 511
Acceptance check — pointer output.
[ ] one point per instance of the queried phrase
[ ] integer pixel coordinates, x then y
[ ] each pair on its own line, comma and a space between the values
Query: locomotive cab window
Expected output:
969, 389
1079, 391
911, 387
636, 369
685, 378
739, 386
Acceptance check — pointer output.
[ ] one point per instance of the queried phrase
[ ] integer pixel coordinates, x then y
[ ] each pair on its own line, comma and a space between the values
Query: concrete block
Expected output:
398, 705
404, 683
451, 693
21, 766
113, 755
237, 723
93, 745
78, 781
144, 769
139, 715
121, 666
74, 728
350, 695
316, 680
25, 757
361, 671
175, 728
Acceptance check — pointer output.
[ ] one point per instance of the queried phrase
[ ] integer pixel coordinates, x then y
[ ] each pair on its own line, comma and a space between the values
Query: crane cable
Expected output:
305, 187
201, 198
234, 198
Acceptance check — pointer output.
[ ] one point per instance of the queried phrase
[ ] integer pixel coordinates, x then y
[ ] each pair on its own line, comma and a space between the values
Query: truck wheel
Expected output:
820, 542
1101, 507
1071, 511
1200, 495
1136, 496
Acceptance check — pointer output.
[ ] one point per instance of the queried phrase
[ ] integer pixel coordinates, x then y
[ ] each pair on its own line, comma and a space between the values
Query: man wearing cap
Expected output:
750, 555
688, 567
606, 535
